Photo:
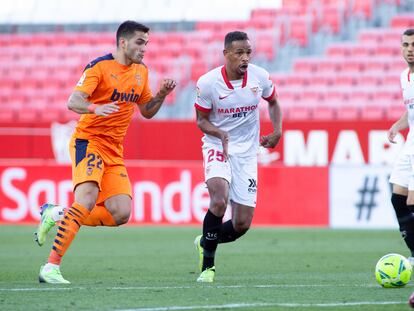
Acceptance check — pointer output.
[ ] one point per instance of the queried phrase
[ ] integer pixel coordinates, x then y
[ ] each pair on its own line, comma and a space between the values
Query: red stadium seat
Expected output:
372, 113
394, 112
28, 115
339, 49
299, 113
403, 21
347, 113
328, 65
373, 36
323, 113
362, 8
51, 115
332, 17
279, 79
299, 29
260, 14
345, 80
369, 79
388, 50
319, 79
7, 115
306, 65
352, 65
68, 115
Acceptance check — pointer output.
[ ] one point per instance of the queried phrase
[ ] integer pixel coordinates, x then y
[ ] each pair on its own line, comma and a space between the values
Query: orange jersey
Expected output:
105, 80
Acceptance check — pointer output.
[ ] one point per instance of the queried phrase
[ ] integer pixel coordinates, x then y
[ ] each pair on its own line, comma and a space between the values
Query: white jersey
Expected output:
407, 86
233, 106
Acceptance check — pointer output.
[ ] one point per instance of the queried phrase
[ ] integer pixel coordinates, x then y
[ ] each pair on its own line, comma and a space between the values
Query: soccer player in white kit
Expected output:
402, 176
228, 115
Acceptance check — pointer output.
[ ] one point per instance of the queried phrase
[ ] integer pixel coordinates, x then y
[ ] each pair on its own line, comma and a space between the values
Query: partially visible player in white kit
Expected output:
228, 115
402, 176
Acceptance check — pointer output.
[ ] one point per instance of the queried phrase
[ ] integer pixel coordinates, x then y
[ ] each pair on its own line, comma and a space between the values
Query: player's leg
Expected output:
111, 210
119, 206
116, 196
243, 195
113, 206
403, 203
87, 172
74, 217
219, 190
51, 214
218, 176
402, 198
238, 225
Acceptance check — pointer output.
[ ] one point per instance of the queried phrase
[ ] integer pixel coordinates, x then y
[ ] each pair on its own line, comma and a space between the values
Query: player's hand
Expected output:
271, 140
392, 132
107, 109
225, 142
167, 86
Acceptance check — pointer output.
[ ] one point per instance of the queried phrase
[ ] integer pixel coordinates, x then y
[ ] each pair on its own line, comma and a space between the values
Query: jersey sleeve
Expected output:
89, 80
146, 94
203, 101
268, 86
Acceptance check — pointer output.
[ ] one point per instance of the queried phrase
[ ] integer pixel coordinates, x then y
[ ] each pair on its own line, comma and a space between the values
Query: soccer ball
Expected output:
393, 270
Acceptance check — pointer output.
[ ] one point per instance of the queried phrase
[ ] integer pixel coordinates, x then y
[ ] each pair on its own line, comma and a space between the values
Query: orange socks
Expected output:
69, 226
100, 216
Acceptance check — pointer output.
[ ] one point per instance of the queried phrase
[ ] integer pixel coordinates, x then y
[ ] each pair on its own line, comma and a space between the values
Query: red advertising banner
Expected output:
302, 144
170, 193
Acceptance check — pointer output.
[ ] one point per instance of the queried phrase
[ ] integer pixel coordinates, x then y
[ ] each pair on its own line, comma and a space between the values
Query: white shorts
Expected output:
240, 172
403, 171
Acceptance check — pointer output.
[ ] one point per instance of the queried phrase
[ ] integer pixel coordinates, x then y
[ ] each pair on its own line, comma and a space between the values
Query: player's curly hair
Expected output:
127, 29
234, 36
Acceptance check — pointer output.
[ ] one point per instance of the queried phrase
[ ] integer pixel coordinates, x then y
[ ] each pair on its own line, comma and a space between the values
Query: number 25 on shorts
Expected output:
215, 155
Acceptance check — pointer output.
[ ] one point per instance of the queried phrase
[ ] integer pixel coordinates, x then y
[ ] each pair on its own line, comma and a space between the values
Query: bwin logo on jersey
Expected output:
125, 97
252, 186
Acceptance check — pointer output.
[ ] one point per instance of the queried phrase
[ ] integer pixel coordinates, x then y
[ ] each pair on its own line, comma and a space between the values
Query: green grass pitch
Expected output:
154, 269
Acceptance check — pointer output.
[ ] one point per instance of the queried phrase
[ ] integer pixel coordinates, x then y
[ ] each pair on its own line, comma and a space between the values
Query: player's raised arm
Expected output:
149, 109
78, 103
275, 114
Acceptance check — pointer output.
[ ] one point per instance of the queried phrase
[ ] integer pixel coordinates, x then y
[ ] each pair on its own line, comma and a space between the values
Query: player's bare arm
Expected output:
204, 124
151, 108
401, 124
78, 103
275, 113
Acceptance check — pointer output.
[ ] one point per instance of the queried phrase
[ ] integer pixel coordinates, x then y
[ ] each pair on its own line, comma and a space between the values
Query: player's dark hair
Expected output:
409, 32
127, 30
234, 36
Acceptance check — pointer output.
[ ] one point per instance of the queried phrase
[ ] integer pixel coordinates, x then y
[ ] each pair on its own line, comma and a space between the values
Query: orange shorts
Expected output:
92, 161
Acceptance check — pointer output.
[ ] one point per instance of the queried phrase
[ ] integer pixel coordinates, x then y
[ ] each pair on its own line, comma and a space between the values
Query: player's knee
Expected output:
87, 201
218, 203
241, 226
121, 215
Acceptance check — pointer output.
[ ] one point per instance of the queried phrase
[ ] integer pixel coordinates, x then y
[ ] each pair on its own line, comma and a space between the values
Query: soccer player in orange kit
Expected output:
105, 97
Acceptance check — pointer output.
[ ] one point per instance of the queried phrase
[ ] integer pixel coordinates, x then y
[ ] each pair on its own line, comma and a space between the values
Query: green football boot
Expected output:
51, 275
207, 276
46, 223
200, 251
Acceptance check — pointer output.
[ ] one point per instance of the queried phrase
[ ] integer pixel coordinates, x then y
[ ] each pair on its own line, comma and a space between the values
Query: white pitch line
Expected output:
28, 289
258, 305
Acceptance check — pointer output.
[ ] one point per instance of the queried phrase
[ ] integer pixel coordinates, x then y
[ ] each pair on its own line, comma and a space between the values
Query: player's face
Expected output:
407, 47
238, 56
134, 48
